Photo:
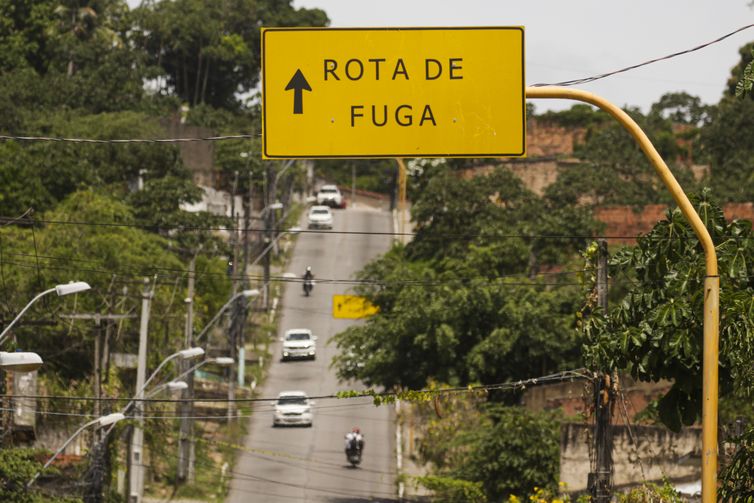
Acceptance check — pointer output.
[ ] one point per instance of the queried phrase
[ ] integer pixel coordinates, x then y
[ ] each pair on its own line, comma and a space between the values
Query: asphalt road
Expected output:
308, 464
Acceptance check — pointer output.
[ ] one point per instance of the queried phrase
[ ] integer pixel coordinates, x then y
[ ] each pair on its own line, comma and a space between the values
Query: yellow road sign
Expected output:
351, 307
393, 92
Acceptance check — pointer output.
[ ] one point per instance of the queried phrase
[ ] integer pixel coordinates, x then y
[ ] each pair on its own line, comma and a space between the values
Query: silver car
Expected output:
299, 343
293, 408
320, 217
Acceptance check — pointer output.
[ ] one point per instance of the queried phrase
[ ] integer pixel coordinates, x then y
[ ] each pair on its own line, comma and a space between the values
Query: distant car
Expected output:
292, 408
320, 217
299, 343
330, 195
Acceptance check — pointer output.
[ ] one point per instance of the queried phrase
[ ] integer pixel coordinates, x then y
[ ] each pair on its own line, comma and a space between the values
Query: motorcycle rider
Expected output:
308, 279
355, 440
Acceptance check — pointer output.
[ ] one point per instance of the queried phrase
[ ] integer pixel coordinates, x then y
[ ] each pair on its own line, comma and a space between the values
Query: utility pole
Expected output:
245, 283
136, 457
235, 321
266, 260
600, 480
233, 326
186, 408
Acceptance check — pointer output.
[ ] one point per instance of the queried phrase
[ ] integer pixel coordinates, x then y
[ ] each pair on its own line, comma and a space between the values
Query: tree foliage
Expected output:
498, 451
110, 258
656, 331
462, 302
208, 52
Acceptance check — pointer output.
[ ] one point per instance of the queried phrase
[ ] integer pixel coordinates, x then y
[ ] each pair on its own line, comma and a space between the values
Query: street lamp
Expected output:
62, 289
107, 420
184, 354
171, 386
185, 411
20, 361
222, 361
136, 482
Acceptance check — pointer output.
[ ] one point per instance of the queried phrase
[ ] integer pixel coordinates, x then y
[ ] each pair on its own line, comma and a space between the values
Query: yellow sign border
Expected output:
522, 153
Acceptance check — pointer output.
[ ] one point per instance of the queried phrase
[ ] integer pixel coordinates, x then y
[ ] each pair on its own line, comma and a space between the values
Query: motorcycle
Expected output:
308, 286
353, 455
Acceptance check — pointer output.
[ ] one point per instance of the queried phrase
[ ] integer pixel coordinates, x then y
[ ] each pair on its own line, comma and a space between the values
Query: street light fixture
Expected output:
171, 386
188, 354
109, 419
72, 287
223, 361
20, 361
62, 289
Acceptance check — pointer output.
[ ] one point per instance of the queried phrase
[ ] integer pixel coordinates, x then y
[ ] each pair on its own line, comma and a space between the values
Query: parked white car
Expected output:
320, 217
330, 195
299, 343
293, 408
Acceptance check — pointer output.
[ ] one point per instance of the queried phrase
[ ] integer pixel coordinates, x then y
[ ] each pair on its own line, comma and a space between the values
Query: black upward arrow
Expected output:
298, 83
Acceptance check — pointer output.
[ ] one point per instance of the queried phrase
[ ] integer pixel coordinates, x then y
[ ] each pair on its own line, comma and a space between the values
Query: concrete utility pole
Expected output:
186, 409
268, 223
600, 480
245, 282
235, 322
136, 458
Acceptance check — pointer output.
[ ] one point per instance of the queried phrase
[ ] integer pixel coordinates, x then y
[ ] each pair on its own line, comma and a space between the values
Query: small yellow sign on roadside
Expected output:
393, 92
352, 307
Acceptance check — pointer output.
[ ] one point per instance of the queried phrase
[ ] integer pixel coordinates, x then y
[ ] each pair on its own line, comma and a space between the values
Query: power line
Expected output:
565, 375
500, 280
126, 141
586, 80
441, 236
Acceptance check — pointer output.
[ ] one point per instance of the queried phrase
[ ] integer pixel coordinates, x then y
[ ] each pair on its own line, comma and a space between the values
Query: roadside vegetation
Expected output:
497, 285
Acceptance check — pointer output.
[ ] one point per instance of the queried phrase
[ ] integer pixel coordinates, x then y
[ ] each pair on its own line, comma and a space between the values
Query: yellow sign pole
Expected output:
711, 282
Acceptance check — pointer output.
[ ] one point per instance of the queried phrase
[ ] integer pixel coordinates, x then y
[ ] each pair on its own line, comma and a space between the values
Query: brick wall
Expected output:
545, 139
623, 222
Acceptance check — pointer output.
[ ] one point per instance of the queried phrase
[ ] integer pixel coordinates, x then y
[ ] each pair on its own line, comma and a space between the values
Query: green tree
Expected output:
656, 331
729, 149
501, 450
462, 302
109, 257
738, 72
27, 167
209, 51
17, 467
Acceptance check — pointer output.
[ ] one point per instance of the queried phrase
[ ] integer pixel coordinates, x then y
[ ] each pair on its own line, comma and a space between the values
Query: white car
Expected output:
299, 343
320, 217
331, 196
292, 408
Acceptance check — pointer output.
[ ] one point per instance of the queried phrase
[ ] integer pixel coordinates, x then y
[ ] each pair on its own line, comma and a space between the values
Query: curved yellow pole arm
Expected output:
711, 282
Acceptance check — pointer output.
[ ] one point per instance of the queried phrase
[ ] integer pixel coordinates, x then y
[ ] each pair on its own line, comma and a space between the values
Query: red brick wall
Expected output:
622, 223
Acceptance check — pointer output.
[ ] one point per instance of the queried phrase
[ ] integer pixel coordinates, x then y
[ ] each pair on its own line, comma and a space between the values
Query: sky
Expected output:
578, 38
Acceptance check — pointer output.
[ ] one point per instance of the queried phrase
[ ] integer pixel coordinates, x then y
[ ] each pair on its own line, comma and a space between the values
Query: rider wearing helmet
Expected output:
308, 274
355, 439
